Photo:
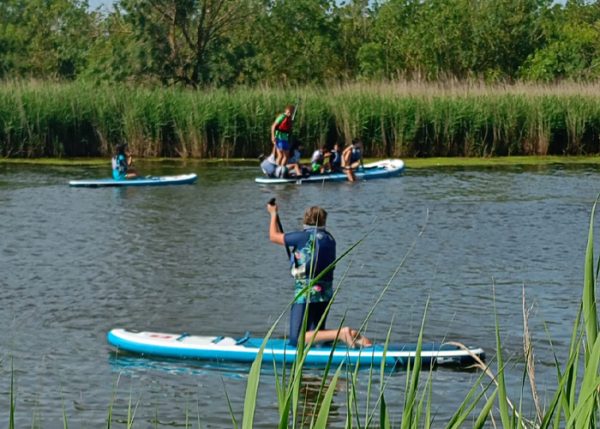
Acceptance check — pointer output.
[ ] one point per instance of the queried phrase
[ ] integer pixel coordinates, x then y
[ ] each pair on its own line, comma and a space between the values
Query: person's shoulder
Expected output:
294, 237
295, 234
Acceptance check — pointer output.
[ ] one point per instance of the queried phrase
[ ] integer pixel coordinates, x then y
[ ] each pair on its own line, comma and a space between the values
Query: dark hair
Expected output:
315, 216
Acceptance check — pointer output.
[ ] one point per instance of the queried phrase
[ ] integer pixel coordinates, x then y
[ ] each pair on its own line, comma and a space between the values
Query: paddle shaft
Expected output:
296, 107
278, 220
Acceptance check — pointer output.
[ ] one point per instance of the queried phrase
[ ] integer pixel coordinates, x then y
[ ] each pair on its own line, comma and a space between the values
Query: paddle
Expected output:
296, 107
272, 203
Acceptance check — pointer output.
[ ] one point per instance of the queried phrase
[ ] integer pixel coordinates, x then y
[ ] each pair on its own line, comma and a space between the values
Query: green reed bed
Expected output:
44, 119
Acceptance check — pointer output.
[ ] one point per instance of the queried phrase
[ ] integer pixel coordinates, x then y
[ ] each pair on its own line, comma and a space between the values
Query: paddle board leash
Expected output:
272, 203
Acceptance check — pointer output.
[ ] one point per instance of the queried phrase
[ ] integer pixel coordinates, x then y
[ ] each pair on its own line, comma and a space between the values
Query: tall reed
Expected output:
393, 119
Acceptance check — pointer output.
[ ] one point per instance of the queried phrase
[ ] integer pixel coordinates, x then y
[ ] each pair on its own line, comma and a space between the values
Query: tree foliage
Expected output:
198, 43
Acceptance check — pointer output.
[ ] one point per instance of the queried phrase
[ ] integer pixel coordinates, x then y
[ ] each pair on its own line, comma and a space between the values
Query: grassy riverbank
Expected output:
411, 163
40, 119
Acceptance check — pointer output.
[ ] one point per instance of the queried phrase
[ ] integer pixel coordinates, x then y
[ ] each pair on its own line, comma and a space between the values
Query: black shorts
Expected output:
316, 310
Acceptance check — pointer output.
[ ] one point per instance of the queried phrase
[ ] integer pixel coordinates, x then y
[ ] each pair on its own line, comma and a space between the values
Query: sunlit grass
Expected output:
400, 119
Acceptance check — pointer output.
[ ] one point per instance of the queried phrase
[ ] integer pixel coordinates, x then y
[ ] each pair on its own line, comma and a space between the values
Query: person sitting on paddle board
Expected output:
318, 161
352, 159
121, 164
294, 163
313, 251
269, 166
280, 135
335, 159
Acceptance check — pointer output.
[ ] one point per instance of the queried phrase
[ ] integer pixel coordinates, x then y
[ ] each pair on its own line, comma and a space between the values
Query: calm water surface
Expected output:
78, 262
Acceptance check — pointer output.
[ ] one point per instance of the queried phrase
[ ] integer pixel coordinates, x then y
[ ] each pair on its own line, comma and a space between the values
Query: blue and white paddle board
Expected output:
182, 179
245, 349
374, 170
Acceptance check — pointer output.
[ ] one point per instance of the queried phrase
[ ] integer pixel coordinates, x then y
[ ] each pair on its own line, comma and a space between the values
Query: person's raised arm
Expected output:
275, 233
273, 127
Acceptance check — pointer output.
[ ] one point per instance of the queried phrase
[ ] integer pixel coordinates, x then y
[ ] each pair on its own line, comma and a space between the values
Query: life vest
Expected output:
336, 159
355, 155
285, 126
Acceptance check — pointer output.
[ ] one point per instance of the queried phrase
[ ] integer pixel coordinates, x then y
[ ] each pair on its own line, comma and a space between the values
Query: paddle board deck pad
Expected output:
373, 170
246, 348
182, 179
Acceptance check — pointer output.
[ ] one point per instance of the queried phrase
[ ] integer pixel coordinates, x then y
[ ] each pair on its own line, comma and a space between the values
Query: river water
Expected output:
77, 262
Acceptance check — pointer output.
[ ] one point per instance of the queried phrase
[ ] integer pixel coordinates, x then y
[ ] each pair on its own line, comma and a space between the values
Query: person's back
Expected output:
268, 166
313, 252
335, 159
317, 160
119, 166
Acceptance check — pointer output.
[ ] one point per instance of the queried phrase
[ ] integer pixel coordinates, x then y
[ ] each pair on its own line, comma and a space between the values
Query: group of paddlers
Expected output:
284, 160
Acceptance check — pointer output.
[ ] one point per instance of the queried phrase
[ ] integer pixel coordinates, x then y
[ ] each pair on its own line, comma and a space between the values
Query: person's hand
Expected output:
272, 209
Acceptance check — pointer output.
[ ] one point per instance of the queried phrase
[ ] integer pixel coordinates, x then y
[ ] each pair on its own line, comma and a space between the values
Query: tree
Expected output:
435, 39
299, 41
42, 39
178, 39
572, 45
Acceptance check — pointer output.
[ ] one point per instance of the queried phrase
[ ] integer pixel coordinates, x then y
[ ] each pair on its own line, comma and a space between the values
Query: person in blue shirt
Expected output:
313, 252
121, 164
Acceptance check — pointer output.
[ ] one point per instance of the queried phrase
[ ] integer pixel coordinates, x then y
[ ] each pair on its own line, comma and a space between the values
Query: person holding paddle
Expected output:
313, 253
280, 135
121, 164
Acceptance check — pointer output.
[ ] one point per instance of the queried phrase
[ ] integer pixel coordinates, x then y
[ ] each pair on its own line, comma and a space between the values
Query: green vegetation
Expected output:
205, 78
393, 119
199, 43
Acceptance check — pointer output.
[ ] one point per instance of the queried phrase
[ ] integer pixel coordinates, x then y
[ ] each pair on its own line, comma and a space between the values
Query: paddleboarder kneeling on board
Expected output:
121, 164
313, 250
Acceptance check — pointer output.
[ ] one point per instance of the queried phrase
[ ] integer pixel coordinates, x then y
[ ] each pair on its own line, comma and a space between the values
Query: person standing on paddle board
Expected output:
280, 135
313, 251
121, 164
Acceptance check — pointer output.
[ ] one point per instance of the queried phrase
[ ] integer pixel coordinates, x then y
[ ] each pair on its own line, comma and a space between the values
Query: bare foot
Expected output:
353, 338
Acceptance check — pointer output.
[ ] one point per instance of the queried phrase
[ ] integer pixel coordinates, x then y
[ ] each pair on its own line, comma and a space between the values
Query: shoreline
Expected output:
411, 163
